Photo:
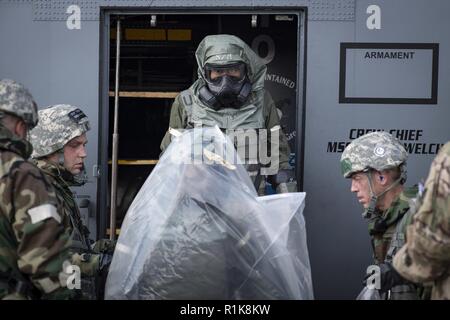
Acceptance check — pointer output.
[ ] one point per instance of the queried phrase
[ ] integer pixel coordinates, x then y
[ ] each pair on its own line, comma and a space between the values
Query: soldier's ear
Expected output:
382, 178
21, 129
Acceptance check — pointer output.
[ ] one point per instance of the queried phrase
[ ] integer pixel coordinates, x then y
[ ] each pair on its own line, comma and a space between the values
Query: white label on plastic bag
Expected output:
122, 248
243, 241
215, 157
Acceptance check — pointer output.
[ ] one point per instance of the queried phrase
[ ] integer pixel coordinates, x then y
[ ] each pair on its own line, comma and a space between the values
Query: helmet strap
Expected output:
61, 157
80, 178
374, 197
367, 214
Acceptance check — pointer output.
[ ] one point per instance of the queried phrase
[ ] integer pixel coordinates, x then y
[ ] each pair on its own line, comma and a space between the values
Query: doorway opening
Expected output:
157, 61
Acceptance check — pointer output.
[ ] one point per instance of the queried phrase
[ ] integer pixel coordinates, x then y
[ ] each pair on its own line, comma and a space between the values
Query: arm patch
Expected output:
43, 212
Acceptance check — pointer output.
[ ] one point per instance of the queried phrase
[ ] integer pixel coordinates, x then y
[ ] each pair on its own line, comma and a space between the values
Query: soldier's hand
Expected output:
105, 246
283, 181
87, 262
389, 277
105, 262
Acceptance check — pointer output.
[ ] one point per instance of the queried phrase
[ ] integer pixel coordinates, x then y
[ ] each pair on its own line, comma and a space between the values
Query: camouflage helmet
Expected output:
15, 99
376, 150
58, 125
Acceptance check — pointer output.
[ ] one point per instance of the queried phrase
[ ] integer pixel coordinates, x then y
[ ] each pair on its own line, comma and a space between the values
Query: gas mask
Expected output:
227, 86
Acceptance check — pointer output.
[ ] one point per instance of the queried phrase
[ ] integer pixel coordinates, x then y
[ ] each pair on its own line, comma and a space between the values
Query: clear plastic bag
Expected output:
369, 294
198, 230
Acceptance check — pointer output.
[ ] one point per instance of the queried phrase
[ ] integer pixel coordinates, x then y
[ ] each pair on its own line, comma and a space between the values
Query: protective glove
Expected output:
102, 275
104, 246
104, 262
88, 262
283, 181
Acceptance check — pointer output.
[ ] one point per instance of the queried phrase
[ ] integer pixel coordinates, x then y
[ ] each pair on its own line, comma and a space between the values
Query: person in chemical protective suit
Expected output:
229, 93
376, 164
59, 142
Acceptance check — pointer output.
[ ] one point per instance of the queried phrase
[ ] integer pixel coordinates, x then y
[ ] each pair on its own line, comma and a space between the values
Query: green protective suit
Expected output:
258, 112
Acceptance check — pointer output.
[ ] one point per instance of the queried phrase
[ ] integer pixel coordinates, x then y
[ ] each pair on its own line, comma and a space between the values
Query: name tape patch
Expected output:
77, 115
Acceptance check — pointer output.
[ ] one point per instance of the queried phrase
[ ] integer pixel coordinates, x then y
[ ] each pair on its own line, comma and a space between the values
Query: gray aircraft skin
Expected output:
336, 68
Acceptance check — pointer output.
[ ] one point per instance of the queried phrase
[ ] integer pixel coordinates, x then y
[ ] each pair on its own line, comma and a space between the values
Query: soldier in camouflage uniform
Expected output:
425, 258
376, 164
33, 242
230, 93
59, 150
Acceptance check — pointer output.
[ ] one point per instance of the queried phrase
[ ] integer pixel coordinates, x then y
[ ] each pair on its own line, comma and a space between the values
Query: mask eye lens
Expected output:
236, 72
216, 74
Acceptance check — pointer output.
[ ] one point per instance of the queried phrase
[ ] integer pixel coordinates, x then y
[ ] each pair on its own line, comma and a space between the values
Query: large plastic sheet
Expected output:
369, 294
197, 230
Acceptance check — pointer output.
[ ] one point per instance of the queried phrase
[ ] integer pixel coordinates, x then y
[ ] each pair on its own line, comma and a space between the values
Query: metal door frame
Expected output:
105, 22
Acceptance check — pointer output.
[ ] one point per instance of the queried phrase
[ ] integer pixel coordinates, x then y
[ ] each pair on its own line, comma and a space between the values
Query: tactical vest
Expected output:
404, 291
385, 251
80, 242
80, 239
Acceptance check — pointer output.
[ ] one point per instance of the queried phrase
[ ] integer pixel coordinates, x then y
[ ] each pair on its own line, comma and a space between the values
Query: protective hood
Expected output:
224, 49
